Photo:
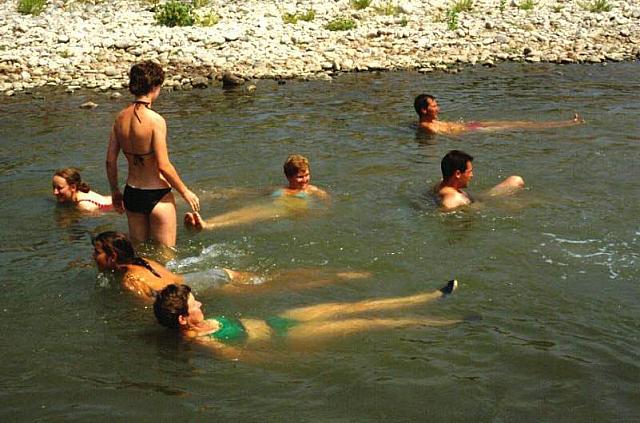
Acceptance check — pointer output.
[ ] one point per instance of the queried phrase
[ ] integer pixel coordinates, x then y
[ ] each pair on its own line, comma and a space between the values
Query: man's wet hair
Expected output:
170, 304
420, 102
294, 164
454, 160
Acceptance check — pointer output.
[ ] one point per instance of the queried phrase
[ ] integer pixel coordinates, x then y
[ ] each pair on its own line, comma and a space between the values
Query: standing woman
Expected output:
141, 134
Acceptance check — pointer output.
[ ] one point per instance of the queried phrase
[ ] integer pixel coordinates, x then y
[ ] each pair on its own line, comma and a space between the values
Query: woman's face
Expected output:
63, 192
195, 316
300, 180
102, 259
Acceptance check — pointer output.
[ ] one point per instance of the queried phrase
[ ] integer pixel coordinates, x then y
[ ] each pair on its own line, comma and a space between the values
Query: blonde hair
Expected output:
294, 164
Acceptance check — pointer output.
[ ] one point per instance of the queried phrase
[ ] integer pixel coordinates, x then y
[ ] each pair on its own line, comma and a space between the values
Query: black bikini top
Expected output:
138, 159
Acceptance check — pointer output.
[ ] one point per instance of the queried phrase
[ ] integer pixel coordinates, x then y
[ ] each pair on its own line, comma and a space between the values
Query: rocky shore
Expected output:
92, 44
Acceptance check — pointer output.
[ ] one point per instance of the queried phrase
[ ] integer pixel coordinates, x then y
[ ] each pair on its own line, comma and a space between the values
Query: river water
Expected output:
553, 270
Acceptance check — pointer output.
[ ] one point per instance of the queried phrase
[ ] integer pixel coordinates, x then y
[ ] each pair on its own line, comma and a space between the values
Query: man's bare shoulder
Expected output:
451, 198
317, 191
428, 127
443, 127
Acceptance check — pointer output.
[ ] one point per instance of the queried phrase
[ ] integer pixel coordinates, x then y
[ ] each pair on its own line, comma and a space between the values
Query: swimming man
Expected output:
457, 172
428, 110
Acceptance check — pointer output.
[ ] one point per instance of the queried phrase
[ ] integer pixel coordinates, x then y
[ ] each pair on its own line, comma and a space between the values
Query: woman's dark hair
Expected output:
117, 242
170, 304
144, 77
72, 176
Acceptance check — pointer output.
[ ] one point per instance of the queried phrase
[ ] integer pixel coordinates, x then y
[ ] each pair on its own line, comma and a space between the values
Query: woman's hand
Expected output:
116, 200
192, 200
194, 221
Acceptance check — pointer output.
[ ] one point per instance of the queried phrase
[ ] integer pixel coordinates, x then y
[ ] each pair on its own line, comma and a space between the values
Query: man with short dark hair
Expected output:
457, 172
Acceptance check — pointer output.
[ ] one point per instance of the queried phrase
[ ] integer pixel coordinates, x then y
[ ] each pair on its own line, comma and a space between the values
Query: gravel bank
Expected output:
76, 43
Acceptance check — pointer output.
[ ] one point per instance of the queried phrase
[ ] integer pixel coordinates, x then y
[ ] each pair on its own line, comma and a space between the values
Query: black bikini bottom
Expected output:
143, 200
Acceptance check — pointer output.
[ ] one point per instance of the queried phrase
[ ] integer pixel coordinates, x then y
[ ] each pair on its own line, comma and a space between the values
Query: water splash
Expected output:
618, 257
103, 280
209, 256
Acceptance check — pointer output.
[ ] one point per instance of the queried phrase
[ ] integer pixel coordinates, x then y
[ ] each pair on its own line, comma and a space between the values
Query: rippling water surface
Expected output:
553, 271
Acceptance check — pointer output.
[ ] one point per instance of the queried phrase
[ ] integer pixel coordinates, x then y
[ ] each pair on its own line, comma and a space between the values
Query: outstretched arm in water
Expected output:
286, 204
291, 280
243, 216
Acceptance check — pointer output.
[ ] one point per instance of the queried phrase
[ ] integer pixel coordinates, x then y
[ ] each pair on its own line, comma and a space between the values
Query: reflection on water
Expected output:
552, 270
617, 256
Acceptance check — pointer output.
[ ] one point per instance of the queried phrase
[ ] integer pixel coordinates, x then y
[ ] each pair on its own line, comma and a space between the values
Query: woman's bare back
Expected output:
144, 283
135, 129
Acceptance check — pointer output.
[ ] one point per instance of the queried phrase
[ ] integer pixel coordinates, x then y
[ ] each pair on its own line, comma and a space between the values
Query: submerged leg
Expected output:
138, 227
330, 329
526, 124
163, 221
332, 310
291, 280
508, 186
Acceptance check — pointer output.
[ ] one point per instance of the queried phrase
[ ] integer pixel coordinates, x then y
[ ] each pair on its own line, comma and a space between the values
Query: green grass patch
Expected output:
389, 9
73, 3
597, 6
462, 6
341, 24
31, 7
404, 21
208, 19
174, 13
452, 19
290, 18
199, 3
308, 16
360, 4
526, 5
293, 18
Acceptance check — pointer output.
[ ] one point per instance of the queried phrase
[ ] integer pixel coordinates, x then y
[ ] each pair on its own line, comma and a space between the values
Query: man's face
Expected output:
466, 176
433, 109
